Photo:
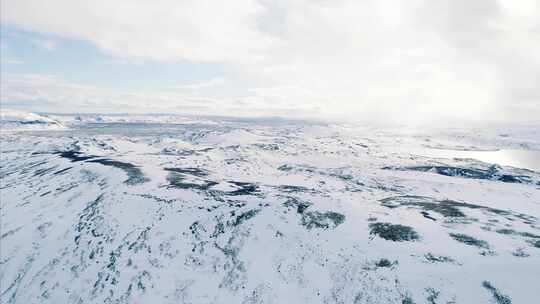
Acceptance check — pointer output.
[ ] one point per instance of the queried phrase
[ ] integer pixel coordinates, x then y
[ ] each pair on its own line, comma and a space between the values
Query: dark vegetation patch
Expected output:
75, 156
177, 152
393, 232
45, 193
520, 233
245, 189
234, 269
431, 258
519, 252
219, 229
506, 231
330, 172
427, 215
178, 180
497, 295
314, 219
33, 153
385, 263
285, 168
183, 152
469, 240
322, 220
297, 204
407, 299
432, 295
156, 198
190, 171
492, 173
140, 243
534, 243
41, 172
10, 232
245, 216
135, 175
341, 176
446, 208
268, 147
294, 189
35, 164
90, 221
62, 171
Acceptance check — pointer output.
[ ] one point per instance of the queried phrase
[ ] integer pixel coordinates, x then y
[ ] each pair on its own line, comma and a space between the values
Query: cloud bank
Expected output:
410, 60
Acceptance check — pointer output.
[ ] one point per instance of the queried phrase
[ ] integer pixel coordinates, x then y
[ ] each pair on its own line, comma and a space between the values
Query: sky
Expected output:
360, 60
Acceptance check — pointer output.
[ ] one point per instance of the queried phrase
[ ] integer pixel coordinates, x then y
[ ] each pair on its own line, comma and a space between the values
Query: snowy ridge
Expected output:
20, 120
129, 118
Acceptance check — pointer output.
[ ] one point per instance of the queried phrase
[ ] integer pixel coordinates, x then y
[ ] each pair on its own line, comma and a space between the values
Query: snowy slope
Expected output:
258, 213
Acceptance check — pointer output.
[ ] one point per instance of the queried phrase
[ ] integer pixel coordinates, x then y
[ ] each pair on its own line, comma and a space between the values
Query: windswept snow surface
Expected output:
262, 212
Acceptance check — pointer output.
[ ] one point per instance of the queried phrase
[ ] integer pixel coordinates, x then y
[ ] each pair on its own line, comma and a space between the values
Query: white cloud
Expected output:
46, 44
371, 58
10, 61
200, 30
46, 93
213, 82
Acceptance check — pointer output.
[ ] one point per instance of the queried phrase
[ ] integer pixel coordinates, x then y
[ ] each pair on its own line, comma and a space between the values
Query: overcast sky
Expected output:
364, 60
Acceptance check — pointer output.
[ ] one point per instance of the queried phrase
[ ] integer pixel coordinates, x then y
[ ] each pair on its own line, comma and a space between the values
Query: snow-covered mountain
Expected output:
21, 120
74, 119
